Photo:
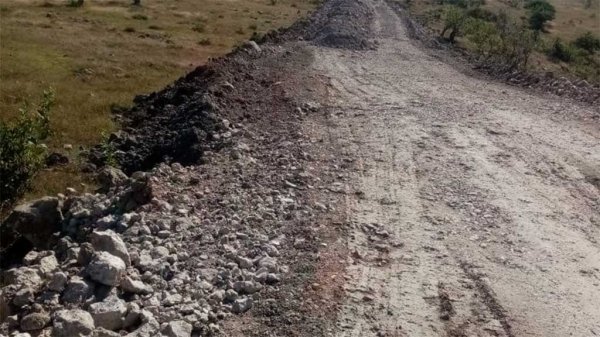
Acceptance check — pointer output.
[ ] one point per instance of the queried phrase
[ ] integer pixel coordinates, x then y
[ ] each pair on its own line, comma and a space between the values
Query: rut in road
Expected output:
477, 209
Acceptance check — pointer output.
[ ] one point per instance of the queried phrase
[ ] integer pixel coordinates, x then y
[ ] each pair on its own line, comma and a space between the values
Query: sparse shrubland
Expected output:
514, 33
22, 148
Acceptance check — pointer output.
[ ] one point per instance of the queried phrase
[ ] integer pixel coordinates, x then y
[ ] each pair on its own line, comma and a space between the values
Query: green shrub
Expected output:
540, 12
562, 51
22, 152
588, 42
454, 19
108, 150
139, 17
204, 42
504, 41
484, 36
75, 3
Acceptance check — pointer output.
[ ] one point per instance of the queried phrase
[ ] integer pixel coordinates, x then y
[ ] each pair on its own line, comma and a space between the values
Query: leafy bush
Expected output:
484, 36
22, 152
588, 42
454, 19
540, 12
503, 41
562, 51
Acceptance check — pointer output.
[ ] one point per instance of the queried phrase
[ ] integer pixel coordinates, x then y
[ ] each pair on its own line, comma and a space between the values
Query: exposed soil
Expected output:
472, 184
403, 196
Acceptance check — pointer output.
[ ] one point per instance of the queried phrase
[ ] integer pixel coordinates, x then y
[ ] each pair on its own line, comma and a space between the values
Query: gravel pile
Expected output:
342, 24
158, 254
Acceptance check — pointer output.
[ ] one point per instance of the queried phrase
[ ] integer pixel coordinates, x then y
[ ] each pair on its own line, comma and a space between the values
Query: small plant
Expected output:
205, 42
253, 27
199, 27
454, 19
75, 3
272, 2
240, 31
129, 30
561, 51
139, 17
108, 150
22, 152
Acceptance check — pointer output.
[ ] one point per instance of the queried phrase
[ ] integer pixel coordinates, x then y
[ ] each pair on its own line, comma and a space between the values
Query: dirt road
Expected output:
475, 205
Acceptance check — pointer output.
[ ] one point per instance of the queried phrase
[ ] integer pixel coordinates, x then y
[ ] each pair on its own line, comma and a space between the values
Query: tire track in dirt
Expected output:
475, 215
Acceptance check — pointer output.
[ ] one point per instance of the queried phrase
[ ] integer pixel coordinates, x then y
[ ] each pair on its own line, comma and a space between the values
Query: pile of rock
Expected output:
177, 264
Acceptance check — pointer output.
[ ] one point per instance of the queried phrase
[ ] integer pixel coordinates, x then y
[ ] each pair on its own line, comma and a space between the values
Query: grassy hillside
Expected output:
105, 52
573, 19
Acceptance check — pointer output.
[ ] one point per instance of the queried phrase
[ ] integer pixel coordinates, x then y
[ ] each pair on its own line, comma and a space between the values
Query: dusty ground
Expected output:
478, 211
404, 196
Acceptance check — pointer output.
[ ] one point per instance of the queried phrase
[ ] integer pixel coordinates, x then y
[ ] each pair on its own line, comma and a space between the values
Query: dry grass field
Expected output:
107, 51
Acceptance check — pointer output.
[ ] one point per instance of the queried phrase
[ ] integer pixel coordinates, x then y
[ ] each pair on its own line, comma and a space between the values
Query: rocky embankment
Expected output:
178, 250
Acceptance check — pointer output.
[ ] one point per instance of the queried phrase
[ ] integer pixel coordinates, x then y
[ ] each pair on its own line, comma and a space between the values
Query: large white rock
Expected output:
178, 329
111, 242
72, 323
109, 313
106, 268
135, 286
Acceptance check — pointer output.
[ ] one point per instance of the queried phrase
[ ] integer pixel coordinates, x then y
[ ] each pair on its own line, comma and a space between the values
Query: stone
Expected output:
109, 313
109, 177
37, 220
57, 281
177, 329
35, 321
230, 296
101, 332
241, 305
47, 265
56, 158
23, 297
254, 45
77, 290
106, 269
172, 299
244, 262
246, 287
159, 252
72, 323
23, 277
31, 258
133, 317
148, 328
110, 242
134, 286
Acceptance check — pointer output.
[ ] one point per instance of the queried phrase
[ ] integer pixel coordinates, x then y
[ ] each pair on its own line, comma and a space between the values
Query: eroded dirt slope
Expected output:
474, 206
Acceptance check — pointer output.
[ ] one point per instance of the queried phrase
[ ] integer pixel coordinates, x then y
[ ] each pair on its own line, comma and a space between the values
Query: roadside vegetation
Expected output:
553, 36
97, 55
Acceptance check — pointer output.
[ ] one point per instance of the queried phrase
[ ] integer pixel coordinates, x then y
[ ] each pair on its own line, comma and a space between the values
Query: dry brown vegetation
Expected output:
105, 52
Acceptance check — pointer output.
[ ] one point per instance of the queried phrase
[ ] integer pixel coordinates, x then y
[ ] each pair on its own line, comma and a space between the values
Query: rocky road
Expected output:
337, 179
476, 205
